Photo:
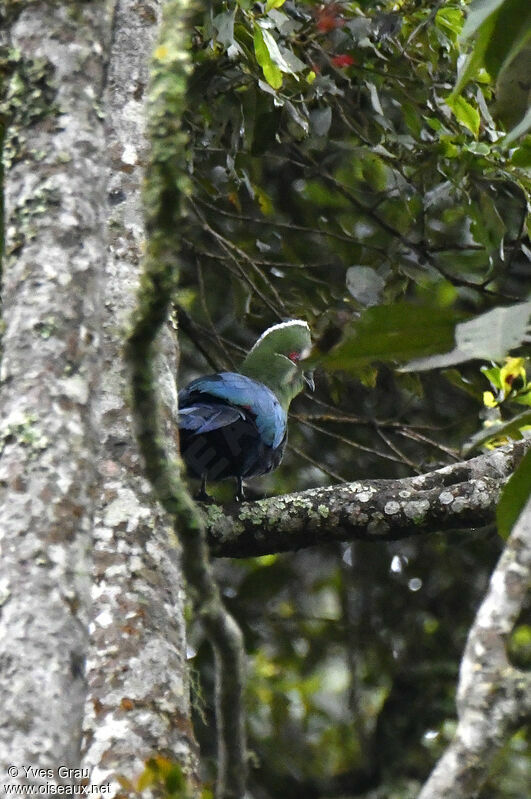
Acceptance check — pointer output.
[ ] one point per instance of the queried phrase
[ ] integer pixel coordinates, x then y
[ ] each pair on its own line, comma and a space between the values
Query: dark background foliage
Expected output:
336, 178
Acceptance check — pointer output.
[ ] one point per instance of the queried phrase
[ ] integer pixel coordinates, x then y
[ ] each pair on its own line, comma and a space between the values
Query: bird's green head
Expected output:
276, 357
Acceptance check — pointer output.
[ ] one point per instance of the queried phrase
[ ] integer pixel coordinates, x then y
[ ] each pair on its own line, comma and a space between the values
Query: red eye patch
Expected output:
294, 356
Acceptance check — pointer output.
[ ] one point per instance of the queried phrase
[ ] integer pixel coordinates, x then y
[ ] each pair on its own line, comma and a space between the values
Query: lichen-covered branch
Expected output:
460, 496
493, 697
165, 185
54, 190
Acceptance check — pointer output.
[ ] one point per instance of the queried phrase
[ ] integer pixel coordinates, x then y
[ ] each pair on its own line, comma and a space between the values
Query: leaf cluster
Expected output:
341, 175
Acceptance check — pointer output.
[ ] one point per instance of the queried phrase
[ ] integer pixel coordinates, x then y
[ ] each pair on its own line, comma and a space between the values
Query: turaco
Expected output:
234, 424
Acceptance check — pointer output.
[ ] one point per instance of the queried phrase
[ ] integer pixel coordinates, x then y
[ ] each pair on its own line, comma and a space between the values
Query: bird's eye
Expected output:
294, 356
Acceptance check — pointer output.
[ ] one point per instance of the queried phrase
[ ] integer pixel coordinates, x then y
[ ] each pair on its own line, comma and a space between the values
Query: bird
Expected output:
234, 424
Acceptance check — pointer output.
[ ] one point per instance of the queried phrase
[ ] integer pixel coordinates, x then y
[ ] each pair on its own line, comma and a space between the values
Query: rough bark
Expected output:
460, 496
59, 445
493, 697
166, 184
138, 703
54, 188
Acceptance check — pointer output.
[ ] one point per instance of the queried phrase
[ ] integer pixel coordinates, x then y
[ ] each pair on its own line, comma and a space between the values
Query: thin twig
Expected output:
385, 438
347, 441
231, 249
324, 469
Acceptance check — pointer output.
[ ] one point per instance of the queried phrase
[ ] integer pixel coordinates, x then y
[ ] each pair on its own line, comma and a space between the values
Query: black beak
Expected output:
308, 379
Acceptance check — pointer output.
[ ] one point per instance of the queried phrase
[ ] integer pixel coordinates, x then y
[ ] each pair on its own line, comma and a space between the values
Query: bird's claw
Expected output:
202, 496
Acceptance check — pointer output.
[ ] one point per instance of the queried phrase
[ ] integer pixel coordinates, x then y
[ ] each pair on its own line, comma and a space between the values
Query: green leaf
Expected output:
286, 61
476, 58
412, 118
174, 780
450, 19
455, 377
524, 398
521, 156
502, 29
511, 32
478, 12
519, 647
510, 428
487, 226
519, 130
493, 375
514, 497
365, 284
274, 4
393, 332
465, 113
272, 73
487, 337
298, 122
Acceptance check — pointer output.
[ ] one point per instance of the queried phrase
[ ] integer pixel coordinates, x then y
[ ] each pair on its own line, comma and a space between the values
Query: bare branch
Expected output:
460, 496
493, 697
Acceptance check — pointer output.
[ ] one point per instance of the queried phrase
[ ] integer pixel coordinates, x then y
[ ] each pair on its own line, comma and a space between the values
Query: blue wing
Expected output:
208, 416
237, 396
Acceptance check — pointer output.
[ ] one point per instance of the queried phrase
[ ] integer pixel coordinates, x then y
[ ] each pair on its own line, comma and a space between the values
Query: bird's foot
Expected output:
240, 494
202, 496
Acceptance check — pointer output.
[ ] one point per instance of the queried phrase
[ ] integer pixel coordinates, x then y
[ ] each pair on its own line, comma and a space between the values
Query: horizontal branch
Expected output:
460, 496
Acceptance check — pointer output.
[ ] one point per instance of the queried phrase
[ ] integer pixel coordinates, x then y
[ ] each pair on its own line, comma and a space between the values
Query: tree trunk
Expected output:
54, 190
138, 690
71, 488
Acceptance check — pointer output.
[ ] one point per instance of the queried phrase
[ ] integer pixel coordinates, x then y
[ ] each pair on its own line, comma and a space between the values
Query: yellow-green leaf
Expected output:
274, 4
272, 73
489, 400
465, 113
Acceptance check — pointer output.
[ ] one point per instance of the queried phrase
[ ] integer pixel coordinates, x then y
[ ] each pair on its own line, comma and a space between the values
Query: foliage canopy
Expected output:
351, 166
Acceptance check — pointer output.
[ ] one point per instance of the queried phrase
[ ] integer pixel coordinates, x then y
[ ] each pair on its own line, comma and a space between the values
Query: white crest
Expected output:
279, 326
